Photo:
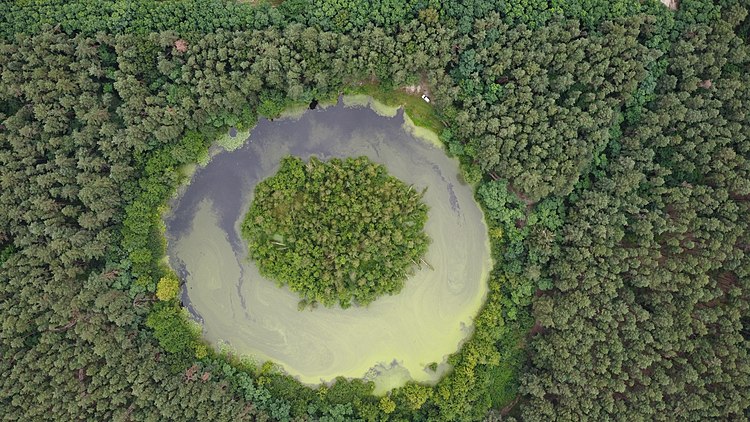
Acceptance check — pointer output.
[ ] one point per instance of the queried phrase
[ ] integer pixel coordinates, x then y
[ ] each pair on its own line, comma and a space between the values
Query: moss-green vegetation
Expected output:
341, 231
167, 288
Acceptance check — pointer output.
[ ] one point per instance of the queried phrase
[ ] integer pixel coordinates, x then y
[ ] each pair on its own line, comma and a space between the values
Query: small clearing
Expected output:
671, 4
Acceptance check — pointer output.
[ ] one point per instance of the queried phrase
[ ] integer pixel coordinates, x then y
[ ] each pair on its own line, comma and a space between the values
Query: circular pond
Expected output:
395, 338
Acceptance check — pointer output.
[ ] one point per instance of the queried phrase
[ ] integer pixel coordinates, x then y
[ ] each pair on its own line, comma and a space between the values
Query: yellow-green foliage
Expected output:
168, 288
415, 395
387, 405
201, 350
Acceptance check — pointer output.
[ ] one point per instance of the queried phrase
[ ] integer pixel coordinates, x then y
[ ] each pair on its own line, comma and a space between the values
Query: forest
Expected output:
341, 231
608, 142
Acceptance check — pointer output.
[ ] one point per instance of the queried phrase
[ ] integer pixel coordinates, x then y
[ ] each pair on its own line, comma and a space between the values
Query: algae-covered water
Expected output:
396, 337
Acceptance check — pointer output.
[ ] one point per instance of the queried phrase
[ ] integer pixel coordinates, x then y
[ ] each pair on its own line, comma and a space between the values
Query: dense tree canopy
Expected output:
652, 274
608, 141
341, 231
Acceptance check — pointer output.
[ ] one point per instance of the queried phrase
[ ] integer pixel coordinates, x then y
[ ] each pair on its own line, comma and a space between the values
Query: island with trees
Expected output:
337, 232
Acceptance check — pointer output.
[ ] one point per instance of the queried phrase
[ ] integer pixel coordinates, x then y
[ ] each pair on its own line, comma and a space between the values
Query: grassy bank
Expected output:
421, 113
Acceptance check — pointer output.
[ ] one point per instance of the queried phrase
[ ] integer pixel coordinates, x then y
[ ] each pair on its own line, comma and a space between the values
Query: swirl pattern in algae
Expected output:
390, 341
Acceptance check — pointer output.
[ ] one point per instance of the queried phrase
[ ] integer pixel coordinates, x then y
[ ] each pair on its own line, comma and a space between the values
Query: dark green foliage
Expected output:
500, 204
535, 13
6, 253
541, 103
652, 275
271, 106
139, 16
349, 15
611, 156
169, 328
341, 231
118, 133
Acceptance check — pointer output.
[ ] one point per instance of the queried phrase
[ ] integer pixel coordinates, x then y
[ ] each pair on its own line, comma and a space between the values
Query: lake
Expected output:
395, 338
